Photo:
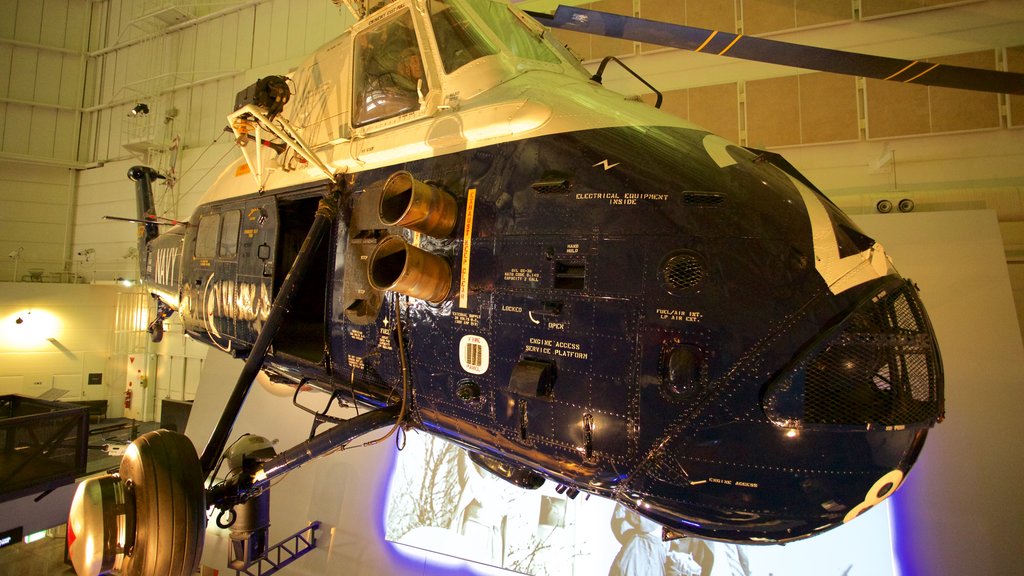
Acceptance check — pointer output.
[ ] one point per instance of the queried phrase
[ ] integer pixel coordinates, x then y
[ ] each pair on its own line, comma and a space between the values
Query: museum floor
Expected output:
41, 558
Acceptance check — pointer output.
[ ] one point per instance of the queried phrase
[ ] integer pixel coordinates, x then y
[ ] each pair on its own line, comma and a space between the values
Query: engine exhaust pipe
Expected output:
398, 267
418, 206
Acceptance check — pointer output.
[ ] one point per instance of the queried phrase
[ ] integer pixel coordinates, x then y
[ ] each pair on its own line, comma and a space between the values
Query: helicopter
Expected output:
443, 216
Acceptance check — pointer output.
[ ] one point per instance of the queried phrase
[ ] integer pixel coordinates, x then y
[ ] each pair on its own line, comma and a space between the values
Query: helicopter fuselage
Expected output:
594, 290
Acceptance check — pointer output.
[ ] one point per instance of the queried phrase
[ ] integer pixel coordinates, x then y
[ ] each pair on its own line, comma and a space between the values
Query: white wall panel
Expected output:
208, 45
185, 43
262, 33
19, 122
77, 19
295, 45
6, 54
244, 39
316, 25
41, 135
53, 27
278, 37
23, 72
228, 37
47, 77
9, 8
71, 81
28, 21
65, 135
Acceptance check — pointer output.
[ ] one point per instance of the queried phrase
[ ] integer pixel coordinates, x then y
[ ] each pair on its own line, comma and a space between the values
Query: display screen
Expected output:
441, 501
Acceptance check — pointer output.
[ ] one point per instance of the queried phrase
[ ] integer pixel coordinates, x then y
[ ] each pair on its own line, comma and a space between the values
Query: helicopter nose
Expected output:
879, 367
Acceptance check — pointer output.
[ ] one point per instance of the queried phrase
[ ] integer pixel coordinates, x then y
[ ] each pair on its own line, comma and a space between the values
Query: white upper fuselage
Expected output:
490, 99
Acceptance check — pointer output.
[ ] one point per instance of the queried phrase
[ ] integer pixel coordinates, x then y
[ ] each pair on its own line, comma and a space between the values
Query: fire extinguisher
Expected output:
128, 396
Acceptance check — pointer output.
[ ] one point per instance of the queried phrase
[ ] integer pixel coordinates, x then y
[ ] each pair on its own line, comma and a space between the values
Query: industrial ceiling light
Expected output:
20, 320
140, 109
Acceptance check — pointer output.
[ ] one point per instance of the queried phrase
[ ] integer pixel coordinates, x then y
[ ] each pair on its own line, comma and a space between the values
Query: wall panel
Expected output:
228, 42
295, 39
185, 43
6, 54
78, 15
10, 8
1015, 63
953, 110
716, 108
818, 12
773, 112
828, 108
244, 39
895, 109
315, 27
711, 14
675, 102
601, 46
277, 39
42, 133
16, 129
64, 135
53, 28
23, 71
760, 16
263, 18
874, 8
47, 77
71, 81
28, 21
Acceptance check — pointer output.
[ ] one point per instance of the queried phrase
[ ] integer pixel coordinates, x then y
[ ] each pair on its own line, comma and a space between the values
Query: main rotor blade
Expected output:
776, 52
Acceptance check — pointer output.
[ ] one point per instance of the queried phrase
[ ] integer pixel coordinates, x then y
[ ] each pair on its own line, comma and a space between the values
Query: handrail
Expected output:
599, 76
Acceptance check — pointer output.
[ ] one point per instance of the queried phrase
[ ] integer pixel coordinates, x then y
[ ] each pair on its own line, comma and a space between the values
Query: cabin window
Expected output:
229, 234
206, 238
389, 78
520, 40
458, 41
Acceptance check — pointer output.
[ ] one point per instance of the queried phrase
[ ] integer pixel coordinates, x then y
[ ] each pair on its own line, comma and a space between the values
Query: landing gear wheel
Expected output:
170, 505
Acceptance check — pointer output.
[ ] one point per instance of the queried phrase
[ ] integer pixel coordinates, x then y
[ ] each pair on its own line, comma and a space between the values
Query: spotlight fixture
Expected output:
19, 321
884, 206
140, 109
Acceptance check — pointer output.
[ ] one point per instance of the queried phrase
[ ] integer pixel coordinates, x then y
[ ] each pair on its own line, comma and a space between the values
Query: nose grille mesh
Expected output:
882, 368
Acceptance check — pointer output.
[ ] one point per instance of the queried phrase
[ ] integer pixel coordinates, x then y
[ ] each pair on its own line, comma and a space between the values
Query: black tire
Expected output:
170, 505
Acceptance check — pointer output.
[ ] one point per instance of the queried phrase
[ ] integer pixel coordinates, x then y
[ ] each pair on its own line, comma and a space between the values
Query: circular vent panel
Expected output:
682, 271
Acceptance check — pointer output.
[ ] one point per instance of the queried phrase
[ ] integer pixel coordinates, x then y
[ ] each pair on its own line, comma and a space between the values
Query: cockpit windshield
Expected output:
389, 78
458, 41
518, 38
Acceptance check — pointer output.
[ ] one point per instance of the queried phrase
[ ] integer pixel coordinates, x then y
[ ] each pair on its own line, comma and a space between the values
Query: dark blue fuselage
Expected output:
635, 312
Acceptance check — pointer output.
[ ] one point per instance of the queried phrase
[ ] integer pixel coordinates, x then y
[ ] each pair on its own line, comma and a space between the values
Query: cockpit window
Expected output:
206, 237
520, 40
458, 41
389, 78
